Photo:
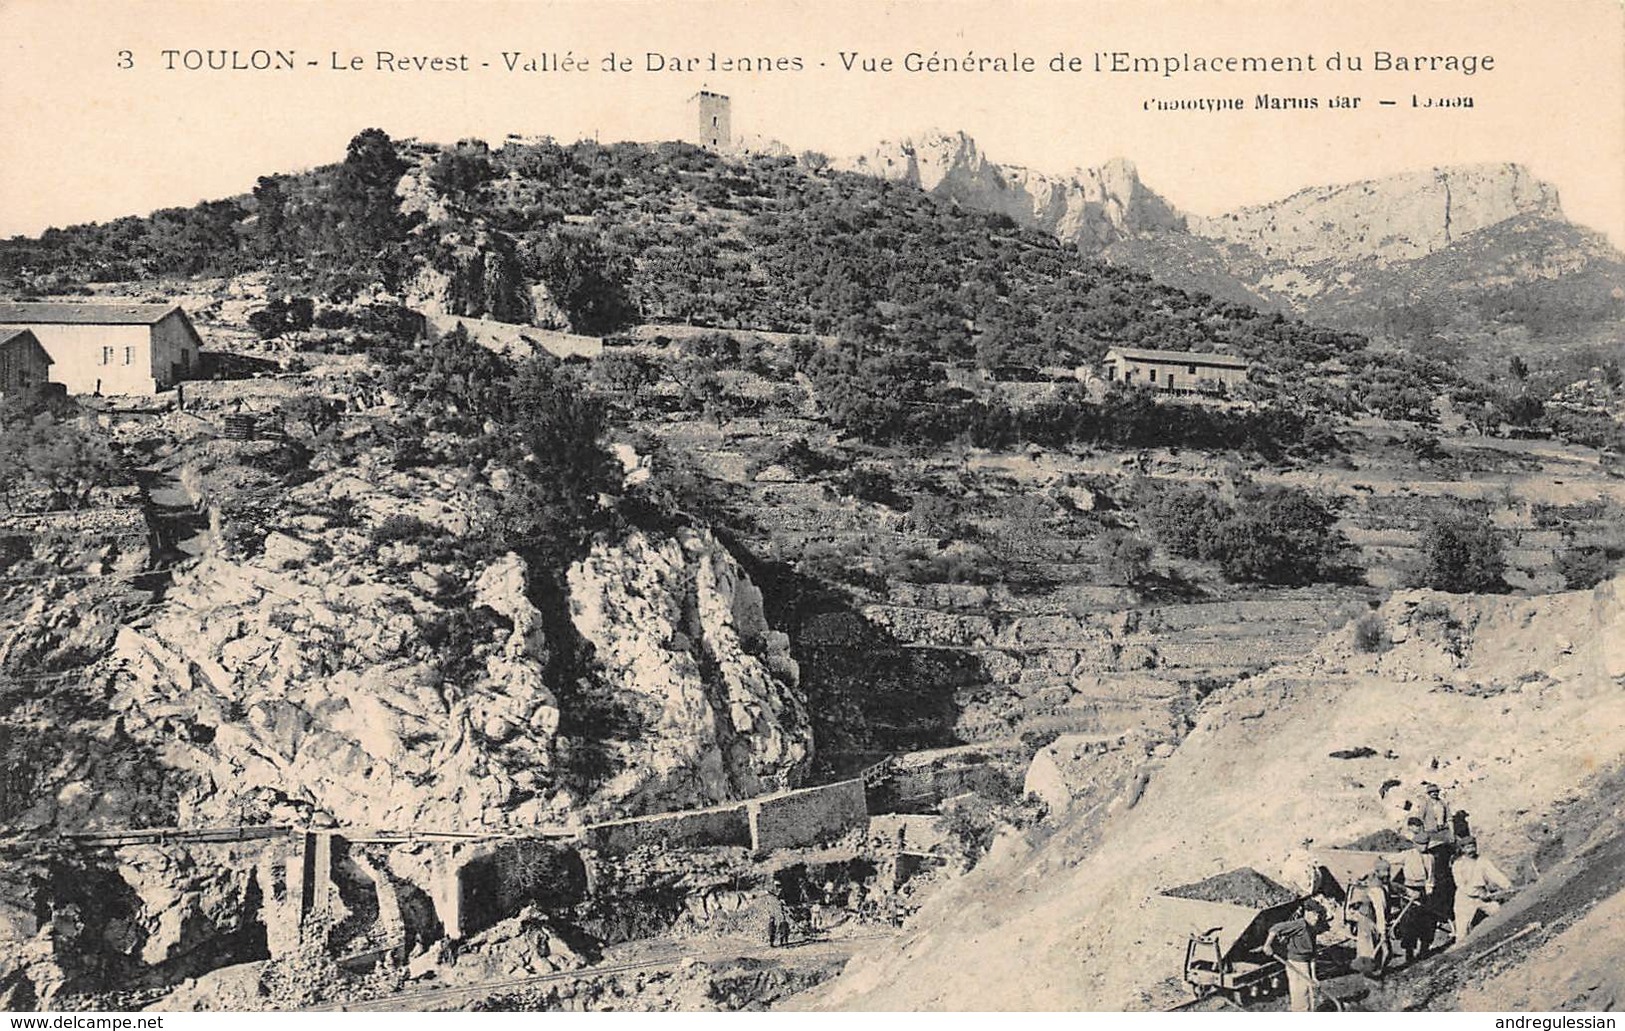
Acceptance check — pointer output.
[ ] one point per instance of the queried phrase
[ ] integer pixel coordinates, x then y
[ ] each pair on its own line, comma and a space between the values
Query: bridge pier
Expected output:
447, 891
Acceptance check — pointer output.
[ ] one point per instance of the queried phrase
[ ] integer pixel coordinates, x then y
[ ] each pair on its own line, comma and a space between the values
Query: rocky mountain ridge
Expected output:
1334, 254
1091, 207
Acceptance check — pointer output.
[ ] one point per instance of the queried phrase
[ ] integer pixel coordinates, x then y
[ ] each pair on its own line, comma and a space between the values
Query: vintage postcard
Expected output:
823, 505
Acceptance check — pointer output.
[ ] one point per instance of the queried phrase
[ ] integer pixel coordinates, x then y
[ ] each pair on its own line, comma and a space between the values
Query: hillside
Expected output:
1454, 260
1530, 694
596, 497
594, 238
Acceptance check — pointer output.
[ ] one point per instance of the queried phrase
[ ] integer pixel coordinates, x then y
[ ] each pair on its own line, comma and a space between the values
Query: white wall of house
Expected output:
119, 359
1175, 376
85, 358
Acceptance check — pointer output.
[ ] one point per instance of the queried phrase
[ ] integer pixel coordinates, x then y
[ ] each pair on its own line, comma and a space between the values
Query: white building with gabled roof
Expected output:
110, 348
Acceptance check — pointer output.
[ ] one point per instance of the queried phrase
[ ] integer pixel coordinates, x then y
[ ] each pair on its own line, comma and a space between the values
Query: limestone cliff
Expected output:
1442, 239
1396, 218
680, 633
1093, 207
343, 674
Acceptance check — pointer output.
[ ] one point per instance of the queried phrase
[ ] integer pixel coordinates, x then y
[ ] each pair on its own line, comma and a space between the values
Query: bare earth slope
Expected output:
1513, 705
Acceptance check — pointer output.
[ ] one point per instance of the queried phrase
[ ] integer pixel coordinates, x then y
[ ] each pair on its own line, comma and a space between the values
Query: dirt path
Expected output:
633, 956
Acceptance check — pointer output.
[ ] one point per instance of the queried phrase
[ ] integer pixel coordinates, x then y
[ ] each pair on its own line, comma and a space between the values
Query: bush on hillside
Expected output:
1464, 554
1583, 566
1371, 634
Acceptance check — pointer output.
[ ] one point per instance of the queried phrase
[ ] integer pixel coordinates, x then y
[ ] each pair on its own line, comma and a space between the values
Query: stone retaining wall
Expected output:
810, 816
694, 828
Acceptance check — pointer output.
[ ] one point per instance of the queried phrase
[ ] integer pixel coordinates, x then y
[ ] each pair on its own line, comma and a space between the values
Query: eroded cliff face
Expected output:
710, 687
340, 676
1396, 218
1092, 207
1341, 254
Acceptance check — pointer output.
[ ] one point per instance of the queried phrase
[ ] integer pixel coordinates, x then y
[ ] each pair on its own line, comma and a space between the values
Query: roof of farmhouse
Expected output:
51, 312
22, 337
1136, 354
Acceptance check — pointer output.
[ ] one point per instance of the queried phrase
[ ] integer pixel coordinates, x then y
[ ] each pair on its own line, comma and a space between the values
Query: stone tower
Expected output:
713, 121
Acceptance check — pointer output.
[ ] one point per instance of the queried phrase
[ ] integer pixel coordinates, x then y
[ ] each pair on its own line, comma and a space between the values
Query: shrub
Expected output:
1282, 535
1371, 634
1583, 566
933, 513
1277, 535
399, 527
873, 485
1124, 557
1433, 611
1186, 519
799, 457
1464, 553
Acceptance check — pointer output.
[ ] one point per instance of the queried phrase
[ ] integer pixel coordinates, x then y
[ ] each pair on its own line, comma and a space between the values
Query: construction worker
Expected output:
1435, 820
1293, 943
1479, 887
1368, 910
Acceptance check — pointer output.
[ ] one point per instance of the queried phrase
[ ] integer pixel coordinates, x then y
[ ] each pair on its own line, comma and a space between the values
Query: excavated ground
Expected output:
1513, 706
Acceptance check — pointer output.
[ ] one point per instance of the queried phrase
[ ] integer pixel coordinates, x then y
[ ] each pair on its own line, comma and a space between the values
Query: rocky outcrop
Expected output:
471, 269
1396, 218
346, 675
1091, 207
680, 634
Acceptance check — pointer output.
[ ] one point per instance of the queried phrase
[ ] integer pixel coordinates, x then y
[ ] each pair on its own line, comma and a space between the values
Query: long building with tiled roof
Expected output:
110, 348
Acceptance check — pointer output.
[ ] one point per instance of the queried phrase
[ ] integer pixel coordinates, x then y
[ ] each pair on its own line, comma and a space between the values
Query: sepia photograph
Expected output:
812, 506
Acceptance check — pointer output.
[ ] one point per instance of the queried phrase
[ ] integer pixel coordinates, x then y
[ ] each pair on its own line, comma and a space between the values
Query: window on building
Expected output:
1193, 370
1153, 375
186, 359
714, 121
107, 356
129, 356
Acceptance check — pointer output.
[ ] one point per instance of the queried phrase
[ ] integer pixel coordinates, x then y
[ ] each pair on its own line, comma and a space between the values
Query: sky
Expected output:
89, 139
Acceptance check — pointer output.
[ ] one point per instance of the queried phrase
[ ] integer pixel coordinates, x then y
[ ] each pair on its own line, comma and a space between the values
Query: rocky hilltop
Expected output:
1397, 218
1404, 256
1092, 207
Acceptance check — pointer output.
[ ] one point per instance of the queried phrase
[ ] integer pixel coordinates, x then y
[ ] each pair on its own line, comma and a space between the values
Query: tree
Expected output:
1583, 566
585, 283
1464, 553
40, 452
1282, 535
1124, 557
317, 414
1186, 519
451, 378
283, 315
369, 213
563, 474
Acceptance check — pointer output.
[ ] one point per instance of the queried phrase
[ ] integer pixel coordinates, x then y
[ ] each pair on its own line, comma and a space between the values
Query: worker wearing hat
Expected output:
1480, 884
1435, 817
1367, 907
1293, 942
